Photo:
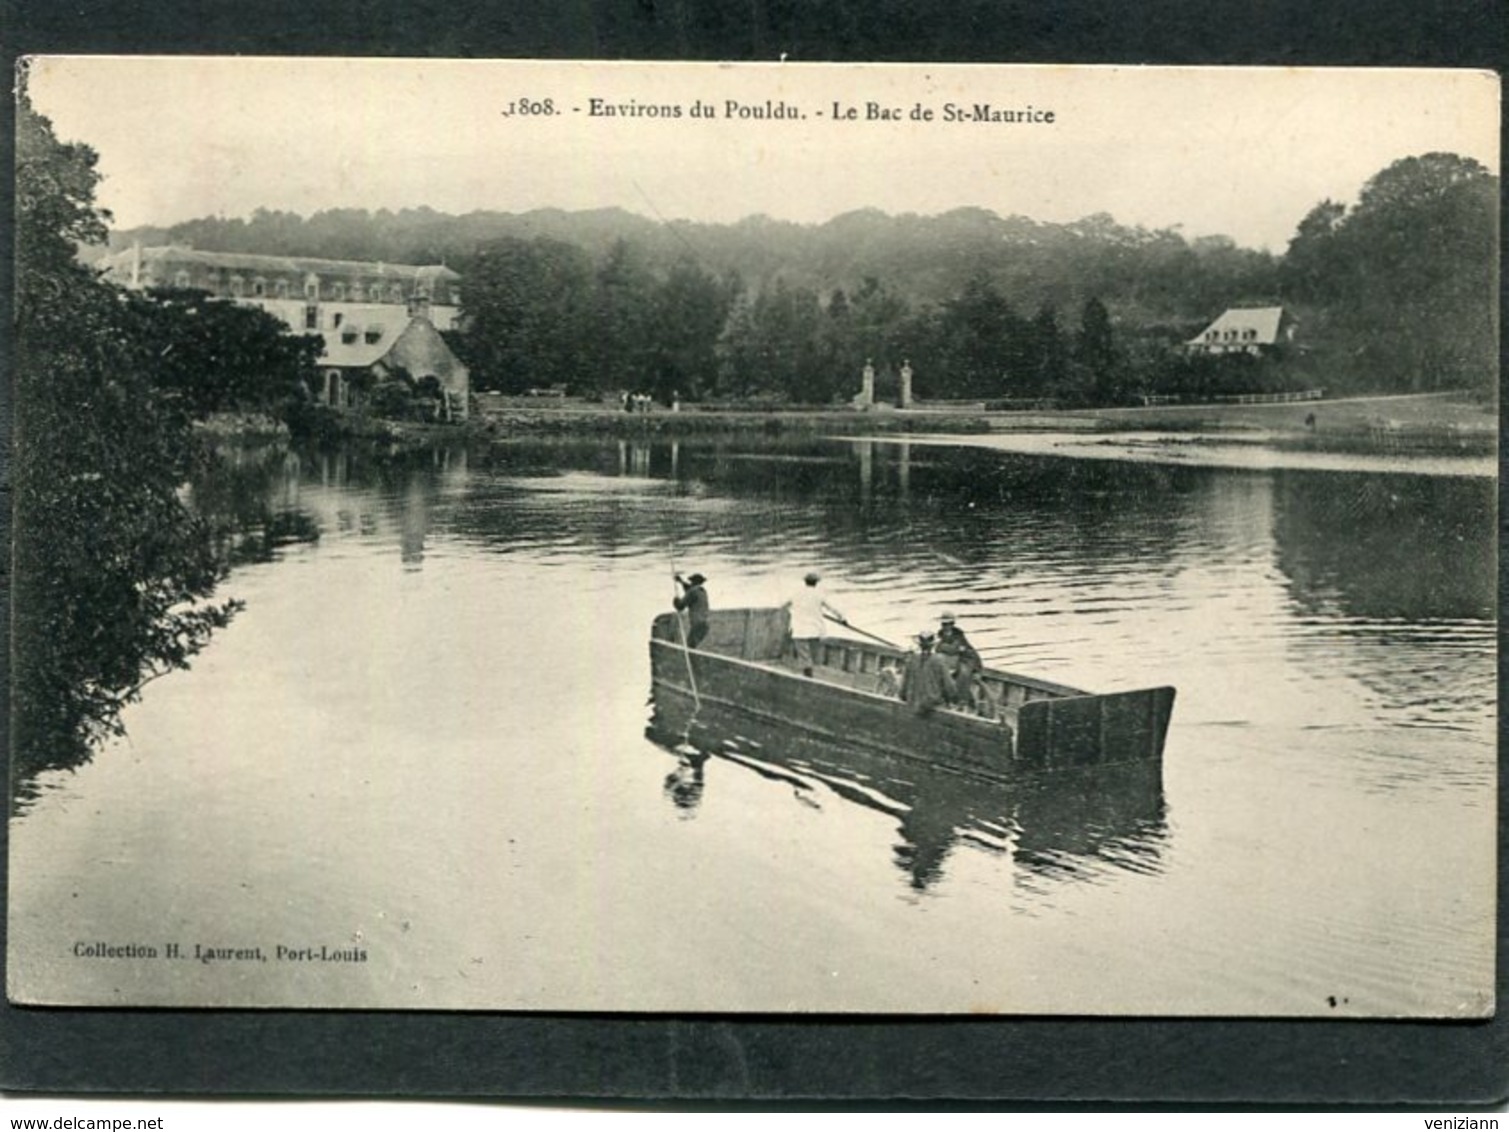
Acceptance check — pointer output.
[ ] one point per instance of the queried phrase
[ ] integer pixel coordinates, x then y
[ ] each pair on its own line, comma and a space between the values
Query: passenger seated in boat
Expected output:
960, 656
984, 699
925, 684
888, 682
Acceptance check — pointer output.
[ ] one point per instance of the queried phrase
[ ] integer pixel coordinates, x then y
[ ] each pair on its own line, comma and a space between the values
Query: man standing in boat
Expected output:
808, 621
961, 658
926, 684
693, 599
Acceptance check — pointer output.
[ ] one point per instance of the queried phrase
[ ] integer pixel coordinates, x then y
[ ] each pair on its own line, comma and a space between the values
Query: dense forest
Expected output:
1397, 292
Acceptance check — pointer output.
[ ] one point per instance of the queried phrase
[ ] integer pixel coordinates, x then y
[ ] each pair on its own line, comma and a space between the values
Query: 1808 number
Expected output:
530, 108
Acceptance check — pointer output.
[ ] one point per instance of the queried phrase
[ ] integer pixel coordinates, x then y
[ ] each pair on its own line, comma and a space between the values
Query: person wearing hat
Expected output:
925, 683
809, 611
693, 599
960, 657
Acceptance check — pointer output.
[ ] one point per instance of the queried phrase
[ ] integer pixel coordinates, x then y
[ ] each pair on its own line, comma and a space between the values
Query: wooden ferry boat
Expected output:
745, 664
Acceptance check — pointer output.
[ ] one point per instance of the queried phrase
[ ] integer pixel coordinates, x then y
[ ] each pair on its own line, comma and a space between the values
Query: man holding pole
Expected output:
693, 599
808, 625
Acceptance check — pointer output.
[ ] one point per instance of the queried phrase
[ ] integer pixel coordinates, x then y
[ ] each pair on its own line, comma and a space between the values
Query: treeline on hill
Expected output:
1396, 293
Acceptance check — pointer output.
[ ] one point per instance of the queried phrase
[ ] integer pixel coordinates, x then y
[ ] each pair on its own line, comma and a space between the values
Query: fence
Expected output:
1237, 398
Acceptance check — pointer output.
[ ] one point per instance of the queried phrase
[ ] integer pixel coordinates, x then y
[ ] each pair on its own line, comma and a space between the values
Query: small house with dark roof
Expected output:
384, 344
1246, 330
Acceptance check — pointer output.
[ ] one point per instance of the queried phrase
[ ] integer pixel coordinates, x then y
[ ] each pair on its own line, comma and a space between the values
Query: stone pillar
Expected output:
867, 392
906, 385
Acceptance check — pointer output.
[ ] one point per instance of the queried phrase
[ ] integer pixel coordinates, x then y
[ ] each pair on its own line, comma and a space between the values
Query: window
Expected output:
338, 291
373, 335
312, 287
356, 292
259, 287
336, 319
311, 317
281, 288
238, 286
348, 336
181, 279
395, 293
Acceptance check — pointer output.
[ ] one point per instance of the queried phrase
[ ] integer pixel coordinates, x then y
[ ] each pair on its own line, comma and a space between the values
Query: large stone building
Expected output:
378, 317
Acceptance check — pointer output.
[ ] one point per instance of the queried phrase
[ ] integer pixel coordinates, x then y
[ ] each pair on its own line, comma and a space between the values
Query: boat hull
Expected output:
1051, 727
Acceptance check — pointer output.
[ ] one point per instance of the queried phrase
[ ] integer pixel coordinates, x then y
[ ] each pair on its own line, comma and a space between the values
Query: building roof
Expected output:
386, 324
1264, 321
172, 255
399, 338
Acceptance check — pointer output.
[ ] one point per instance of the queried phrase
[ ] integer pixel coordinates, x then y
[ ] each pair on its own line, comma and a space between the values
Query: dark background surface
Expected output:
693, 1061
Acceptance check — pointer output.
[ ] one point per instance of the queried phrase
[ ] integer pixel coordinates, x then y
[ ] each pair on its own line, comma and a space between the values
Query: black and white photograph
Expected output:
754, 539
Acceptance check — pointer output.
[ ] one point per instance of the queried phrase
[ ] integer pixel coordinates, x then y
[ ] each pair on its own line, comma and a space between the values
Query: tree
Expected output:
210, 354
773, 344
687, 315
525, 307
1404, 284
619, 322
1100, 365
1051, 369
113, 570
981, 332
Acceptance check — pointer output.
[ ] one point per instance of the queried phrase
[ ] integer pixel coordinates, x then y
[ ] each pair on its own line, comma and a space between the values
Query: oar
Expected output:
864, 632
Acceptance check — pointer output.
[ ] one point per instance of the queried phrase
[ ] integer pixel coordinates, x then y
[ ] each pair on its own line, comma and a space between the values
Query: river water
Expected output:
418, 761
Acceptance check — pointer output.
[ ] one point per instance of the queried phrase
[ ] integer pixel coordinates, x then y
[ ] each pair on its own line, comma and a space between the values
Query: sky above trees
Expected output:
1240, 152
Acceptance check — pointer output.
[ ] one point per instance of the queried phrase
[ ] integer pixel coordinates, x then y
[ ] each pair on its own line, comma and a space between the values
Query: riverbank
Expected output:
1431, 424
506, 417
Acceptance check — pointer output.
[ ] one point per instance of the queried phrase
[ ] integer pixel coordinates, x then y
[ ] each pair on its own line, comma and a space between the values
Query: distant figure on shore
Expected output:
808, 624
926, 683
693, 599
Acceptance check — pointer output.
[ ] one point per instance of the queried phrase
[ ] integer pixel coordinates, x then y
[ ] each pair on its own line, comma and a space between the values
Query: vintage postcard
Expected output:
781, 538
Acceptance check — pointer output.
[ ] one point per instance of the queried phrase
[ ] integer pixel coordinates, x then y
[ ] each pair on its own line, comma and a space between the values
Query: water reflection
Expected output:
117, 584
244, 504
685, 784
1329, 698
1388, 548
1065, 826
892, 505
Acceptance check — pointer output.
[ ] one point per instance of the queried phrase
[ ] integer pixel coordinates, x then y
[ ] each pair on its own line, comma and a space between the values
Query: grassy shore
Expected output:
1401, 412
527, 416
1427, 422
